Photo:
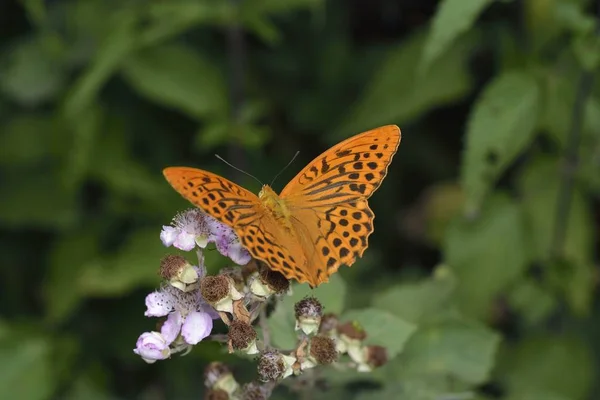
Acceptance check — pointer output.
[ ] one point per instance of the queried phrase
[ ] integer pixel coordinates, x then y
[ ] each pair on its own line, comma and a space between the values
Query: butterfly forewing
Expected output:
328, 199
217, 196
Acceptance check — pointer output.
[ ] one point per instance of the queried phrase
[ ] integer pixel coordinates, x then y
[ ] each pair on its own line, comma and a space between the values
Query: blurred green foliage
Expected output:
481, 277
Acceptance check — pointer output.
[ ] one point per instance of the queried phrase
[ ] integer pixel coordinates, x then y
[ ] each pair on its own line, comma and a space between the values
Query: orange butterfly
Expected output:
320, 220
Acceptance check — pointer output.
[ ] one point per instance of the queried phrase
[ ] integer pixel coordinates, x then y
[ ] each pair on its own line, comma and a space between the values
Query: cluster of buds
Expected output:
313, 348
350, 340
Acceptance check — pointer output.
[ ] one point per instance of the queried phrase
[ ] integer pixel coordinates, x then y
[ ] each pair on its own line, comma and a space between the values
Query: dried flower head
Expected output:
272, 366
242, 336
275, 280
309, 312
255, 391
376, 356
350, 338
216, 394
179, 272
220, 292
323, 350
218, 377
329, 323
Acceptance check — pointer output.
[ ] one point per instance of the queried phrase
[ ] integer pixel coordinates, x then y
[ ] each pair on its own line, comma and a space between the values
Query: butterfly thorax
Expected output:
275, 205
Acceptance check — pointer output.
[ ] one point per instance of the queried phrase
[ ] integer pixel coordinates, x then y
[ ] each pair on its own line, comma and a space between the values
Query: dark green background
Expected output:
495, 99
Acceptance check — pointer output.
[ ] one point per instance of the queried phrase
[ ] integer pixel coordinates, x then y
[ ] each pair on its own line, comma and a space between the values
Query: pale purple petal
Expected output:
230, 247
196, 327
168, 235
159, 304
214, 227
208, 309
238, 254
185, 241
151, 346
171, 327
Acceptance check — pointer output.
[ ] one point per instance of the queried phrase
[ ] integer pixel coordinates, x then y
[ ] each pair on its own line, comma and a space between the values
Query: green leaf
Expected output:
572, 16
116, 46
487, 254
382, 328
462, 350
274, 7
416, 302
26, 371
170, 19
38, 134
32, 75
533, 302
112, 156
452, 18
541, 393
86, 128
40, 201
331, 295
539, 184
136, 264
559, 365
416, 389
61, 291
501, 125
587, 51
179, 77
397, 93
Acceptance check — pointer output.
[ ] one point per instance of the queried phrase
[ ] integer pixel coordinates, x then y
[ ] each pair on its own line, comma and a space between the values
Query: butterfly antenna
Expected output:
238, 169
284, 168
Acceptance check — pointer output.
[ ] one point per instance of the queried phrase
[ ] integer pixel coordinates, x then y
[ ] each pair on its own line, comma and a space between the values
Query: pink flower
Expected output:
193, 227
189, 321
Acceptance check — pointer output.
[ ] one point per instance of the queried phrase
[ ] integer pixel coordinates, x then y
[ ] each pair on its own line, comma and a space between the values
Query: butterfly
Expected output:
319, 221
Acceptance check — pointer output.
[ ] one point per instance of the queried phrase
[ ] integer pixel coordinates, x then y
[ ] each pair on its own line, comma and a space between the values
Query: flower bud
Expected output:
272, 366
308, 315
220, 292
218, 377
152, 346
179, 272
242, 336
